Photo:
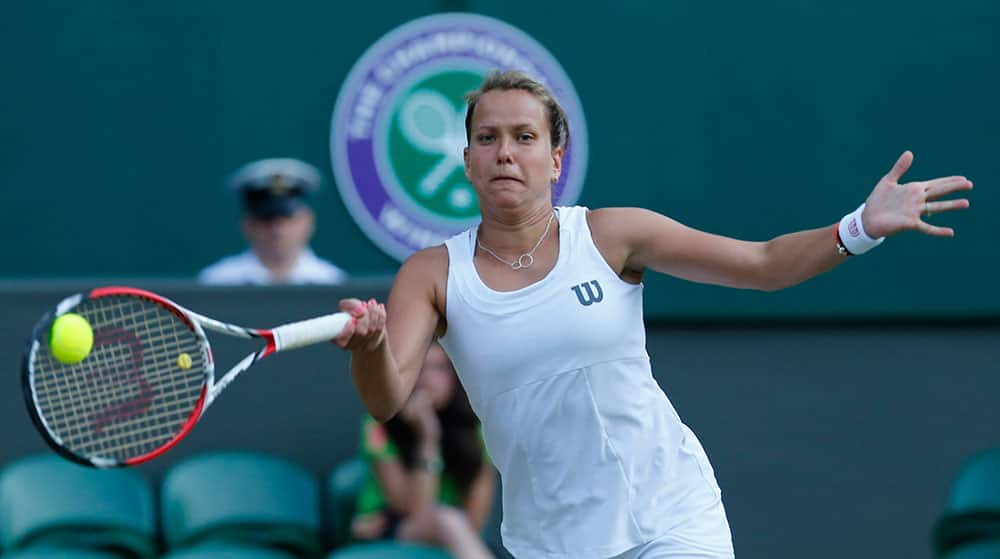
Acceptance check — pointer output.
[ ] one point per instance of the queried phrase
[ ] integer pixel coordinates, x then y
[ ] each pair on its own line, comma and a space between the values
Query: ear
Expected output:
465, 157
557, 156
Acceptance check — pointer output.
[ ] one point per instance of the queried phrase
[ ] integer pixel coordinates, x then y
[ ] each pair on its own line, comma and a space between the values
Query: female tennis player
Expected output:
540, 309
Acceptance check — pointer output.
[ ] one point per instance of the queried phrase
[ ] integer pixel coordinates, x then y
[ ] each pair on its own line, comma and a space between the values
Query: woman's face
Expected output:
510, 159
437, 377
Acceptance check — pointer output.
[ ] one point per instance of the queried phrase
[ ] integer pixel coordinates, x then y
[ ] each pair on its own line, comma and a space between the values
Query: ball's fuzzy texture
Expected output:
71, 338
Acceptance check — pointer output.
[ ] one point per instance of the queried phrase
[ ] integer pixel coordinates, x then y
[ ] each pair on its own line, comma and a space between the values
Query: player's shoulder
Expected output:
425, 271
618, 231
428, 260
614, 213
602, 220
618, 219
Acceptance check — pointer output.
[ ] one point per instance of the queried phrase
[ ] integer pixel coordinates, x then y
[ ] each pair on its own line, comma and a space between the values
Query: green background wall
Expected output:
121, 120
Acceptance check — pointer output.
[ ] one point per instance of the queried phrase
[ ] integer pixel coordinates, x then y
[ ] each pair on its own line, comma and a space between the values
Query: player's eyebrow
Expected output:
518, 126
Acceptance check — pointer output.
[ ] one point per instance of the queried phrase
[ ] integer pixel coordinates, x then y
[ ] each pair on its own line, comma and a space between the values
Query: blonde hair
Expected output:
517, 80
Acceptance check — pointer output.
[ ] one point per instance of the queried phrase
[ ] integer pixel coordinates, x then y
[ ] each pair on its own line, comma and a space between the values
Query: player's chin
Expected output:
507, 198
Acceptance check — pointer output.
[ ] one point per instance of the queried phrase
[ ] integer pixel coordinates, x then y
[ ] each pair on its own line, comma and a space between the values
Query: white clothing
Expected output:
594, 460
704, 536
246, 269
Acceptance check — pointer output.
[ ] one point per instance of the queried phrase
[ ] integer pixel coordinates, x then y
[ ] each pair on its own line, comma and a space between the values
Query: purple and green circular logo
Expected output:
398, 127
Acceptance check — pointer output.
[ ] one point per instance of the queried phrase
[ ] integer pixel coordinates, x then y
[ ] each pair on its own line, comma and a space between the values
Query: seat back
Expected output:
216, 550
989, 549
60, 553
46, 500
972, 513
343, 486
389, 550
243, 498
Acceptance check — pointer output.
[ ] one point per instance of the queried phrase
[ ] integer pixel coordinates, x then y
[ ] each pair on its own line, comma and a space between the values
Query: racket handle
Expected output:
307, 332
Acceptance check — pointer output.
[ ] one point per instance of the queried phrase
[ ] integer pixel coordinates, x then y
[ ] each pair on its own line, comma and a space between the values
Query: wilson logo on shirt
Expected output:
587, 295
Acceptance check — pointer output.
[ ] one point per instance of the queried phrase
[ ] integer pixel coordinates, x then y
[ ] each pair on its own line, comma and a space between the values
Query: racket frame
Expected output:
295, 335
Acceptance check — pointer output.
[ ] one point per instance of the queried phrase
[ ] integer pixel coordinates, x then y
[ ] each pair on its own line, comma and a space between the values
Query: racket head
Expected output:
133, 396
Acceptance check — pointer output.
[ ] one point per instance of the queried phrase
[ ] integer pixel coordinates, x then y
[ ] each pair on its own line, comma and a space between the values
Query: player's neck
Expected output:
516, 234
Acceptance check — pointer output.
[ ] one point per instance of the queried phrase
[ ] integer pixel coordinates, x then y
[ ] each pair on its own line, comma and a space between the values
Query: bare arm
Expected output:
479, 500
633, 239
388, 348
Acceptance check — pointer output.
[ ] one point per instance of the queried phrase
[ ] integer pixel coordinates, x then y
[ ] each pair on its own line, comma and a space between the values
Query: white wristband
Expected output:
852, 233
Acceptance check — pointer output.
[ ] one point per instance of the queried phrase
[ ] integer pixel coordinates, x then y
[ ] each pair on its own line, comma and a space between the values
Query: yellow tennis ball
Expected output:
70, 338
184, 361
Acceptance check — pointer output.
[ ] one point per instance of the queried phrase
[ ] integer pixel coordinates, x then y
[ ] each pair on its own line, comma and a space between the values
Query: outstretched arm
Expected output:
633, 239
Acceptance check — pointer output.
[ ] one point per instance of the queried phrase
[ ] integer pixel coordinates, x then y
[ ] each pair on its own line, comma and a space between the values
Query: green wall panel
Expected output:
121, 121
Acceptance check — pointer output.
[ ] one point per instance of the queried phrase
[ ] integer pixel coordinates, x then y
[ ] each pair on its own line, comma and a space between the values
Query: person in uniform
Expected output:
278, 225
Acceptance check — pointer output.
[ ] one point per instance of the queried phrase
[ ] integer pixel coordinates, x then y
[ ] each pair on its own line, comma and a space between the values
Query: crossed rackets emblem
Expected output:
432, 124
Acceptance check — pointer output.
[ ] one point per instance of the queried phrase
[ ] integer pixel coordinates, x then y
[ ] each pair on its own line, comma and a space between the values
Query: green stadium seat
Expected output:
216, 550
980, 550
388, 550
341, 496
47, 501
241, 498
973, 510
60, 553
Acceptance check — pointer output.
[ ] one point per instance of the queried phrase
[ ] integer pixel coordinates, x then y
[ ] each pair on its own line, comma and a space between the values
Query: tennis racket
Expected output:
148, 378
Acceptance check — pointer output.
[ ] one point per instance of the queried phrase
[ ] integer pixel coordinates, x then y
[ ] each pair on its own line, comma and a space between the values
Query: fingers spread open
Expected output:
934, 230
931, 208
946, 185
901, 166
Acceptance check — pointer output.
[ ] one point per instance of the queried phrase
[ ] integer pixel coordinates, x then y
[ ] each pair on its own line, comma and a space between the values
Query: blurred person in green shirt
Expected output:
432, 481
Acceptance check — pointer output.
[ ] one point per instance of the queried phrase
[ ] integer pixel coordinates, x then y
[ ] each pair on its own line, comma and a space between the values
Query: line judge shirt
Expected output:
246, 269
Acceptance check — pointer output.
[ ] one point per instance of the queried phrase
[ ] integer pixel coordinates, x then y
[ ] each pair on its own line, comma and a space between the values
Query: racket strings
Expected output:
130, 395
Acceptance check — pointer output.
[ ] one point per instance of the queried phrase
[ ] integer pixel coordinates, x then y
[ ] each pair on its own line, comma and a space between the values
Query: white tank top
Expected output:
592, 456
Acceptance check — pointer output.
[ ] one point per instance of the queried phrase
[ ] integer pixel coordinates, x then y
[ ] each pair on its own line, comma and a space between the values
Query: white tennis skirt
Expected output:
702, 536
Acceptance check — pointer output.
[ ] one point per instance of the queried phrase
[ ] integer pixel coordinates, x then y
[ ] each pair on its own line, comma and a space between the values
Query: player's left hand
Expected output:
894, 206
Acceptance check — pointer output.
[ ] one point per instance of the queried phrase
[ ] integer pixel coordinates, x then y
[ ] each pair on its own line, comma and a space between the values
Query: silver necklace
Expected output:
526, 259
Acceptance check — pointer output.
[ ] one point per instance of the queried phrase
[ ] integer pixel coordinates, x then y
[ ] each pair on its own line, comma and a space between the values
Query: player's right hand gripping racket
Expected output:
148, 378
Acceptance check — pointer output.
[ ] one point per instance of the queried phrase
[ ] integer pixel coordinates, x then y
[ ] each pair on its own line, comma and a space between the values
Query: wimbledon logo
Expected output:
398, 127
